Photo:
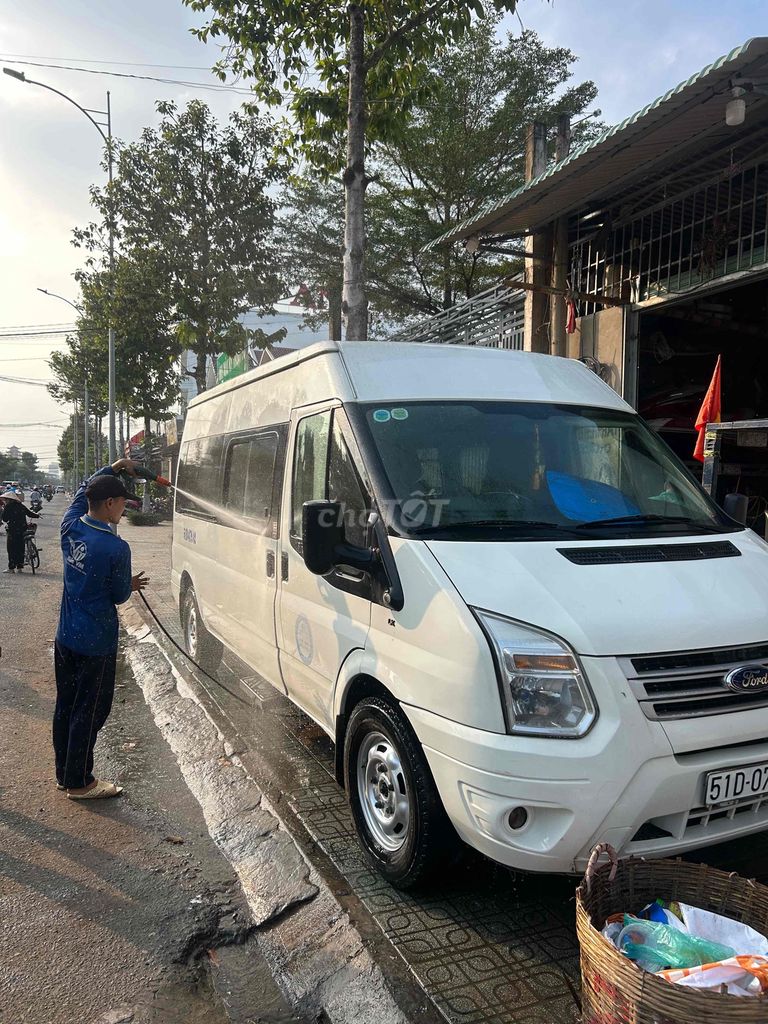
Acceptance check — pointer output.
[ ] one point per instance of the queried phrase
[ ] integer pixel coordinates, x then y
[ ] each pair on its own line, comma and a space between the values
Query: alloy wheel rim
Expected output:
382, 790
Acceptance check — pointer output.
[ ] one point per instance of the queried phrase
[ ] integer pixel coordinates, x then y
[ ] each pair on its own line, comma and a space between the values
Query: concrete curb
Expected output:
316, 955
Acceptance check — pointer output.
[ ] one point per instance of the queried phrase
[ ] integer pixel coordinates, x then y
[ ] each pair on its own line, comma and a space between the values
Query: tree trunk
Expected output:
147, 431
355, 301
334, 314
200, 370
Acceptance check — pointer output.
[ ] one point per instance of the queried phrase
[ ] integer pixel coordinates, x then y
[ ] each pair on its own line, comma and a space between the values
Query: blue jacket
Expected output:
97, 576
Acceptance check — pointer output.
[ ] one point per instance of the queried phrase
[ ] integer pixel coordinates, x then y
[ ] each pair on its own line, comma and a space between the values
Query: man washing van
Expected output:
97, 577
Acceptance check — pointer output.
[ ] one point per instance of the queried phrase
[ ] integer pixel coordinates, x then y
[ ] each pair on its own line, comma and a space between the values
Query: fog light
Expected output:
517, 819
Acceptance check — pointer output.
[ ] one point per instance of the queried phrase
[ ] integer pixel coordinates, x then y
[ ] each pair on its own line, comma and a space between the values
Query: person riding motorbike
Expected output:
35, 500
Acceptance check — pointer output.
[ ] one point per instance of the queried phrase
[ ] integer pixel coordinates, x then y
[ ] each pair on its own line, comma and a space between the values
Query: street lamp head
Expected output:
14, 74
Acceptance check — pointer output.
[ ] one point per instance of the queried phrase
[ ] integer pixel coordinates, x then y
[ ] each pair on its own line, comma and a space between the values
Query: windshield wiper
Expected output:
650, 517
527, 524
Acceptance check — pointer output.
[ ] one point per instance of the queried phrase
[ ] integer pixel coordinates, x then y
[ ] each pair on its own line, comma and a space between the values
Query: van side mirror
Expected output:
736, 506
323, 543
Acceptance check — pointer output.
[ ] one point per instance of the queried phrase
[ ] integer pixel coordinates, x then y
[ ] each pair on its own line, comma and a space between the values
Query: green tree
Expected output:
310, 243
97, 443
463, 147
349, 73
192, 206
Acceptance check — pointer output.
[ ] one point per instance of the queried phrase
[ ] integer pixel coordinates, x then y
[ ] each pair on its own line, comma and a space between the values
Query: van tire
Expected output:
376, 728
203, 649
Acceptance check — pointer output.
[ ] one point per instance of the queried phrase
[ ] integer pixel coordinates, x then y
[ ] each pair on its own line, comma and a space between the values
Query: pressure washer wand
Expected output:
144, 473
148, 474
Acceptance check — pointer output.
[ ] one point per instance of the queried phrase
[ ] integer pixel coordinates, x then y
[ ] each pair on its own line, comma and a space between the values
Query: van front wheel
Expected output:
400, 820
205, 650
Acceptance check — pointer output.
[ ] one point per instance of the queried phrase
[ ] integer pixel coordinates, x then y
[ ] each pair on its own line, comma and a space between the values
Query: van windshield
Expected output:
525, 470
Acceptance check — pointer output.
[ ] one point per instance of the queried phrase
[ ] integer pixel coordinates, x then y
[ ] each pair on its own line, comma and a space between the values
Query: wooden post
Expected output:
558, 343
537, 248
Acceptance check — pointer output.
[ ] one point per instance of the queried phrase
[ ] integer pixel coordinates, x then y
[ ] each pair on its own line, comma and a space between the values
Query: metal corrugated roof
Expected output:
652, 135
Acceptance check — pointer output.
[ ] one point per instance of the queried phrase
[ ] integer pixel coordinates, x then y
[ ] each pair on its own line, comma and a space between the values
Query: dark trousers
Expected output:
15, 549
85, 686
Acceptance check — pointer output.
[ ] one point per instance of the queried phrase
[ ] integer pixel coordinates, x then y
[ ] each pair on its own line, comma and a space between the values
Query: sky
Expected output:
49, 154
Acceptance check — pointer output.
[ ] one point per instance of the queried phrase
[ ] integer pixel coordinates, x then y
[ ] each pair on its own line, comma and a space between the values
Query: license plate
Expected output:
735, 784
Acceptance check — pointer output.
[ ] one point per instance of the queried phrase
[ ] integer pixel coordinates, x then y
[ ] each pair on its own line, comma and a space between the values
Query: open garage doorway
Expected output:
678, 346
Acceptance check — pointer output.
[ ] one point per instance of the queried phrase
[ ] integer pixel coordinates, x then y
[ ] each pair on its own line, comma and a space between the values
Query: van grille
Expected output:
691, 684
650, 553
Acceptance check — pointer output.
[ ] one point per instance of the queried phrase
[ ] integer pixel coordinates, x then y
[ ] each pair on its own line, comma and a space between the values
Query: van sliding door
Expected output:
253, 471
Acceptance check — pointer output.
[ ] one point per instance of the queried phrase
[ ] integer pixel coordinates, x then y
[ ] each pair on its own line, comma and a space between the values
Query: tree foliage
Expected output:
193, 217
463, 147
349, 74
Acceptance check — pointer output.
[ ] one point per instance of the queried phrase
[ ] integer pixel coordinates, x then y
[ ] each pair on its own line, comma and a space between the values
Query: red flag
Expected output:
709, 411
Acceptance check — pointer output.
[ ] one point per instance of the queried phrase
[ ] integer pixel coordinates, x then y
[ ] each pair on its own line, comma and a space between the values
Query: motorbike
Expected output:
36, 505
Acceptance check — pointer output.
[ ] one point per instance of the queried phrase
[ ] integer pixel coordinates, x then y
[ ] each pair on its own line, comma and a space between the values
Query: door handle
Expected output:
284, 566
271, 564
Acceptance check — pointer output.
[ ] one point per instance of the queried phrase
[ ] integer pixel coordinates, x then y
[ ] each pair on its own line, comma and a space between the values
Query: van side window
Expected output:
249, 476
344, 486
310, 463
199, 476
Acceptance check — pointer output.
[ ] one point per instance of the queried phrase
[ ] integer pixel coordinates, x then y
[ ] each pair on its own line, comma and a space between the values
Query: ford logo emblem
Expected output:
749, 679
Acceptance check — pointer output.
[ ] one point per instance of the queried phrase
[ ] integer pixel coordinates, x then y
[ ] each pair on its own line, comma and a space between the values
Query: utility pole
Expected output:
558, 343
99, 126
85, 432
75, 452
537, 248
111, 371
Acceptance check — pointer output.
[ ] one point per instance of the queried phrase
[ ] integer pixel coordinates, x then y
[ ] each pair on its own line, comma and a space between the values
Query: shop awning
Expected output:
691, 114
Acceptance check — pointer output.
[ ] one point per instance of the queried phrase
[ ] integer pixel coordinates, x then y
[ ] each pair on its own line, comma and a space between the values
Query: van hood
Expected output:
618, 609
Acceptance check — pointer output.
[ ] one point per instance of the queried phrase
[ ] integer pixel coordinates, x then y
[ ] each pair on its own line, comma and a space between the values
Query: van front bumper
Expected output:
621, 784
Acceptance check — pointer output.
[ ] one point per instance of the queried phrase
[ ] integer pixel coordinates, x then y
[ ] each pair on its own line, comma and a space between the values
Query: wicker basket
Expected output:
615, 990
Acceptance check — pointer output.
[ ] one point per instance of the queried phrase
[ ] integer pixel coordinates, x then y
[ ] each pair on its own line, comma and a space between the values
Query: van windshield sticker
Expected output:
399, 414
381, 415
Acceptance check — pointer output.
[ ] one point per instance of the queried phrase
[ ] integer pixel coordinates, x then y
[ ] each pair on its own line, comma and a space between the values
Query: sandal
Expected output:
101, 791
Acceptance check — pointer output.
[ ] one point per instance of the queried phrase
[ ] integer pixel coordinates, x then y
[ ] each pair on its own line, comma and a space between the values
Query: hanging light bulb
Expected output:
736, 108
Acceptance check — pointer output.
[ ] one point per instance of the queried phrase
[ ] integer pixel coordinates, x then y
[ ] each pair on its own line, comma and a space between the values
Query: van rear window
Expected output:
199, 476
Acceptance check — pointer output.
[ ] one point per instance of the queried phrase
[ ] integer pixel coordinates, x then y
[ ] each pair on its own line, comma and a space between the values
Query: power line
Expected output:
211, 86
115, 63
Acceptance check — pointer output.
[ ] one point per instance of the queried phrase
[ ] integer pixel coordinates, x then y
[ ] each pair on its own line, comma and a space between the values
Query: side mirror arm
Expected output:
393, 596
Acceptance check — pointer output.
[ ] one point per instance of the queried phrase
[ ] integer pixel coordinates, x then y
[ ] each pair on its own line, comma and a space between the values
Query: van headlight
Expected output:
544, 688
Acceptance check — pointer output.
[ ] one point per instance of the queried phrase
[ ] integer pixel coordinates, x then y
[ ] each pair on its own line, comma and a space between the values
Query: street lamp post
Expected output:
21, 77
86, 405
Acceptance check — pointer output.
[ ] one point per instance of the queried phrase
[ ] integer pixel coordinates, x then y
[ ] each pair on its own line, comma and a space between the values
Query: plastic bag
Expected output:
656, 946
716, 928
742, 975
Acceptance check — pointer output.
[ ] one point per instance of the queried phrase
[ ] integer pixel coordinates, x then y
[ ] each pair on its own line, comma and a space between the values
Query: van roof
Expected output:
409, 371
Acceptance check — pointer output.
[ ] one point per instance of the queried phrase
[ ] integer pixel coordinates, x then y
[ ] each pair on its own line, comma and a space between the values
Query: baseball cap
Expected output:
102, 487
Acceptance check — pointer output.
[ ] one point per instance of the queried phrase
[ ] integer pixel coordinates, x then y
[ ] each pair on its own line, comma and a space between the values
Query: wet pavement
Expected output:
113, 911
486, 945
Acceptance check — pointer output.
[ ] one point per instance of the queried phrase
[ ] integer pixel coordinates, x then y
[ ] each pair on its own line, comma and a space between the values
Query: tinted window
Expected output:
344, 486
198, 476
310, 463
249, 476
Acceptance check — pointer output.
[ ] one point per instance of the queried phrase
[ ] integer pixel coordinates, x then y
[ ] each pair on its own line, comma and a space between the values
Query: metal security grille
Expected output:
700, 223
493, 318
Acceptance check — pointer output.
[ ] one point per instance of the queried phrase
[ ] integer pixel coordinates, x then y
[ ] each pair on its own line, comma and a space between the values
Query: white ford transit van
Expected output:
517, 615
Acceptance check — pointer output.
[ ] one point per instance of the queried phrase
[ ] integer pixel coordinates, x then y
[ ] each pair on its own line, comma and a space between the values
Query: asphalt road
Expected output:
116, 911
